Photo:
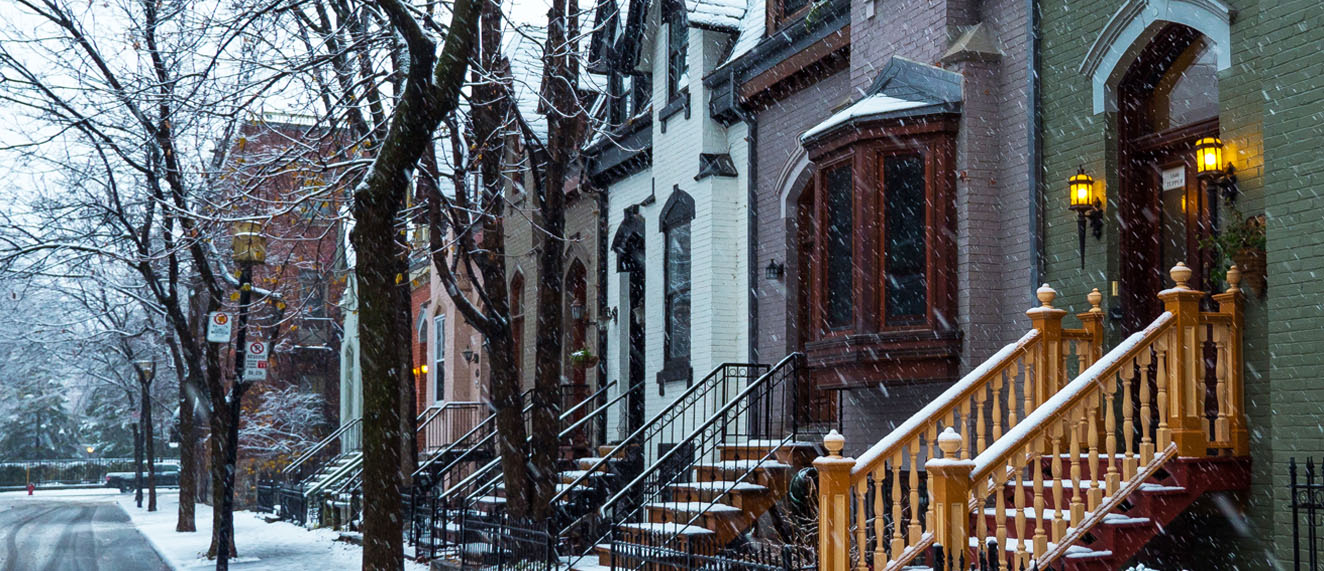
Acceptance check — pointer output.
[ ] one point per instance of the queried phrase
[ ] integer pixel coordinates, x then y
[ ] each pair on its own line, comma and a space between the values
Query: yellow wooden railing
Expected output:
1068, 449
880, 522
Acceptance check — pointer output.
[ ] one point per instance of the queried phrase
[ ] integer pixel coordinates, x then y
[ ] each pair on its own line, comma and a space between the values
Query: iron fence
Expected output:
267, 490
1307, 507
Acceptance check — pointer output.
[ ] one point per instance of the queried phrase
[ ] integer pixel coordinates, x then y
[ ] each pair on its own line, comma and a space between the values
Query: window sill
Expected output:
680, 103
867, 359
674, 370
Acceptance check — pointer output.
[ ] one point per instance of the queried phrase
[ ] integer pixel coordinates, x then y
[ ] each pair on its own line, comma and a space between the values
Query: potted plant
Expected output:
1242, 243
582, 357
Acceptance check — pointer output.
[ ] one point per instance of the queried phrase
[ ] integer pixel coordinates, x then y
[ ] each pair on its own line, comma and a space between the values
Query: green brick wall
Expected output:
1272, 120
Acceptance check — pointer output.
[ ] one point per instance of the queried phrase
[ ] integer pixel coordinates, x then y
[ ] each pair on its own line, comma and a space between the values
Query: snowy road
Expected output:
74, 532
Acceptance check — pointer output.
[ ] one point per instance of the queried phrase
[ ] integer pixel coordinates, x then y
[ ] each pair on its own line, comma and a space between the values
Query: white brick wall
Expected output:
719, 234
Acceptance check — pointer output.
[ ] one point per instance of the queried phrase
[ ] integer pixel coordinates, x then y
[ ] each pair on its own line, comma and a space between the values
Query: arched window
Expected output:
517, 321
675, 225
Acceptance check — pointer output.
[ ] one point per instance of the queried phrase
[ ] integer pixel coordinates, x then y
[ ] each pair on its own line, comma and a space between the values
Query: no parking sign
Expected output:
255, 361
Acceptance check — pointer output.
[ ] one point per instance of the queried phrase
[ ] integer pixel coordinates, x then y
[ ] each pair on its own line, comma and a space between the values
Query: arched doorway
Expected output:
1167, 100
628, 244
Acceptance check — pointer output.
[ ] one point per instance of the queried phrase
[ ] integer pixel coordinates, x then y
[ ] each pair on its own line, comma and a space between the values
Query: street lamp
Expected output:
249, 248
146, 369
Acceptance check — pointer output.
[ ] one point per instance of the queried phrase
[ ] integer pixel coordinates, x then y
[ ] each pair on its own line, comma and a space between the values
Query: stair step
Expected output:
569, 476
588, 463
693, 507
668, 529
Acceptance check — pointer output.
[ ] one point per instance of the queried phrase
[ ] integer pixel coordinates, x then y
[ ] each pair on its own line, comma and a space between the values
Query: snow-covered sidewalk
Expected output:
276, 546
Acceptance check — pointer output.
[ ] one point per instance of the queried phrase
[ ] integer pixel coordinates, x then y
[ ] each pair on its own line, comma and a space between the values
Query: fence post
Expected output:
1185, 358
1231, 302
950, 493
1048, 366
834, 505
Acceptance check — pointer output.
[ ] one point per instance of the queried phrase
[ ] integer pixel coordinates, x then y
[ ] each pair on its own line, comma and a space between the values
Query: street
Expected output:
71, 532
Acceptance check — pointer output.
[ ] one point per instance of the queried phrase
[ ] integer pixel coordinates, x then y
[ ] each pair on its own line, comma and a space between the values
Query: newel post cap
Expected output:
950, 442
1046, 295
1181, 275
1095, 298
1233, 279
834, 442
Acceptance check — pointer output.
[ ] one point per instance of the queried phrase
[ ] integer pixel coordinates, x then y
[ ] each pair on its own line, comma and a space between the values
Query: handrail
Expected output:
592, 415
675, 450
490, 419
941, 406
1069, 396
705, 384
587, 400
437, 410
320, 445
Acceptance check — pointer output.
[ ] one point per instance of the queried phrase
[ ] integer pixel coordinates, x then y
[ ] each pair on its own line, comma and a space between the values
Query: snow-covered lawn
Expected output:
276, 546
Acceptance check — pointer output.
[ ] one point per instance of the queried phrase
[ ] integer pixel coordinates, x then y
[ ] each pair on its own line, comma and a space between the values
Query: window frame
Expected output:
819, 258
439, 356
674, 16
926, 157
778, 18
678, 212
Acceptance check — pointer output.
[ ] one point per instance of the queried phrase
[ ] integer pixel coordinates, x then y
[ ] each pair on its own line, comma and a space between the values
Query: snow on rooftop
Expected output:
871, 106
751, 29
716, 14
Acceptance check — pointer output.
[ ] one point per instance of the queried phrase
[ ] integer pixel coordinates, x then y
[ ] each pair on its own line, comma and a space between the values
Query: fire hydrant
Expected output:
30, 488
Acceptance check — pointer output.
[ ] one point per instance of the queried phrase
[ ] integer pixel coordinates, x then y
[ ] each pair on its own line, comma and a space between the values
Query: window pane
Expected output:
903, 235
439, 353
678, 38
678, 325
838, 294
1188, 91
677, 287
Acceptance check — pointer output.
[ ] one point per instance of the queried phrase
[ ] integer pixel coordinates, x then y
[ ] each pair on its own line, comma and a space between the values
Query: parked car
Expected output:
166, 475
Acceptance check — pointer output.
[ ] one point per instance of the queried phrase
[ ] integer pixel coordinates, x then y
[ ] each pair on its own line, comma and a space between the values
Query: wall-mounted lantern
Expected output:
469, 356
576, 311
774, 271
1087, 206
1209, 166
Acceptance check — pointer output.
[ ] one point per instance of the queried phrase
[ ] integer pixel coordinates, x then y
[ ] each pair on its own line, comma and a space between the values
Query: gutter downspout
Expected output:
751, 178
1034, 125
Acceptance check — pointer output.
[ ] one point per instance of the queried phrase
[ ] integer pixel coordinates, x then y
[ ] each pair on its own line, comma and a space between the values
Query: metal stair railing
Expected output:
350, 433
766, 413
441, 426
668, 426
483, 479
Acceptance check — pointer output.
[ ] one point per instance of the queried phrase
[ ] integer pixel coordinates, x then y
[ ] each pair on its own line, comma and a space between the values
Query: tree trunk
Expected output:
138, 462
148, 446
188, 478
219, 423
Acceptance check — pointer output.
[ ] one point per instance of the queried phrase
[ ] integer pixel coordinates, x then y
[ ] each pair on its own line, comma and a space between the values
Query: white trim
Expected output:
1135, 23
791, 173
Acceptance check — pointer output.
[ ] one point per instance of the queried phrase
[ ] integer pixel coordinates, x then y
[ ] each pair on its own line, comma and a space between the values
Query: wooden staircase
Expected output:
701, 514
1026, 469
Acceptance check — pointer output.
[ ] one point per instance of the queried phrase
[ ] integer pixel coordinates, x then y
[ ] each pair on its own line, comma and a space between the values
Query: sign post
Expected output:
219, 327
255, 361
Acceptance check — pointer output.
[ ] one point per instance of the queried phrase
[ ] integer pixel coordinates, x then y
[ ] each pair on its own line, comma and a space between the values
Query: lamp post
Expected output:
146, 369
249, 249
1219, 180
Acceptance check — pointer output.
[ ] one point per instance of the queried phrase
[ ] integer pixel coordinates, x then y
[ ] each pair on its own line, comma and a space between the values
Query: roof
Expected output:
903, 88
725, 15
523, 45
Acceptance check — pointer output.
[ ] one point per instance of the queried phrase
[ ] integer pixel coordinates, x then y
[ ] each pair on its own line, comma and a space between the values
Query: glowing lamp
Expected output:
1086, 205
1209, 156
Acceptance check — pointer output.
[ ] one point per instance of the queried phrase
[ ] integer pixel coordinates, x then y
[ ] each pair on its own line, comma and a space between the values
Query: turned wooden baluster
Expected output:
898, 544
1163, 435
996, 410
981, 441
1147, 358
1113, 480
1222, 423
1018, 460
1056, 526
1230, 303
1076, 421
1129, 421
1035, 452
879, 525
861, 527
914, 531
1000, 511
1094, 484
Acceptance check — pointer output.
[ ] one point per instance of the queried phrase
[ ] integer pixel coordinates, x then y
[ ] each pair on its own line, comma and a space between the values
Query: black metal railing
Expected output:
436, 506
267, 489
346, 439
441, 426
1307, 510
779, 558
484, 484
506, 544
767, 414
293, 505
667, 427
